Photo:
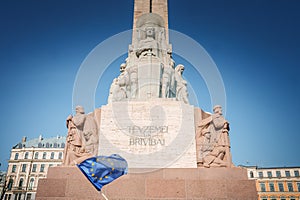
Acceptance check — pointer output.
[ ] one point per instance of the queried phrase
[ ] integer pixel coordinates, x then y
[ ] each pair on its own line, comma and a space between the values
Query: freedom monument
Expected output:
173, 149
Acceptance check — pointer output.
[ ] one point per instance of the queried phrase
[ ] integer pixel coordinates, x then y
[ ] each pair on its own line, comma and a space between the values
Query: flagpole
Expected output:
103, 196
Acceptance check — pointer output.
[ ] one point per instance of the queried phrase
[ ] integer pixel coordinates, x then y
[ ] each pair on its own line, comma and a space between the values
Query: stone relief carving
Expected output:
82, 138
149, 45
213, 141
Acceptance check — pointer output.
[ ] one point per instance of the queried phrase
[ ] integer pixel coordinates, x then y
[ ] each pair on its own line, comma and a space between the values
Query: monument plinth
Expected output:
159, 133
173, 150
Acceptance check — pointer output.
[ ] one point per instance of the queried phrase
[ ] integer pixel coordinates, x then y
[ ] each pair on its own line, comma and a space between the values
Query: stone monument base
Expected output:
65, 183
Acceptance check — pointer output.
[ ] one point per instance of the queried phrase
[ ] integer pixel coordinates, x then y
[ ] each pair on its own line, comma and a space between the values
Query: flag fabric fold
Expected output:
101, 170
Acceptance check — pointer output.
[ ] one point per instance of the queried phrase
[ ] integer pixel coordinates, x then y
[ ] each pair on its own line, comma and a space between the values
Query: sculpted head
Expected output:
122, 67
206, 133
217, 109
150, 32
79, 110
179, 68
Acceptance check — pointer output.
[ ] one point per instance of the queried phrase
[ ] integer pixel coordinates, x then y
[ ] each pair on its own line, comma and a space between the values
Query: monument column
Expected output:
173, 150
159, 7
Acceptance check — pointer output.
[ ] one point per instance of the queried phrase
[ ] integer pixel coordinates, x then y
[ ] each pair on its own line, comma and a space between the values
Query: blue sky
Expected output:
255, 44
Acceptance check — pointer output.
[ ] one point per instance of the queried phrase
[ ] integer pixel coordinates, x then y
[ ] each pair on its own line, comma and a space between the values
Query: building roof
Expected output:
40, 142
263, 168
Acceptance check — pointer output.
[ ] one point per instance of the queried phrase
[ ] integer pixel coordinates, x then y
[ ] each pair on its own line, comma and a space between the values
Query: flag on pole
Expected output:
101, 170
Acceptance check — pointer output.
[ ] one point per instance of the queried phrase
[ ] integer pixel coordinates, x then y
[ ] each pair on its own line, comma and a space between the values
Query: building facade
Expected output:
278, 183
29, 161
2, 182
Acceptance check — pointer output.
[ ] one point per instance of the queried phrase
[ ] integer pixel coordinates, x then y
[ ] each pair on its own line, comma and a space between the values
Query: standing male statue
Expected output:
82, 138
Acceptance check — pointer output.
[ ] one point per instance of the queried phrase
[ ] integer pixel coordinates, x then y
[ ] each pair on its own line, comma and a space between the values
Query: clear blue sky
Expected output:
255, 44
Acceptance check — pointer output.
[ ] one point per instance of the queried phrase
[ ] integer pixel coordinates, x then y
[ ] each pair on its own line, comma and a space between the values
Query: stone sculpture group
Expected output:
213, 141
149, 55
149, 72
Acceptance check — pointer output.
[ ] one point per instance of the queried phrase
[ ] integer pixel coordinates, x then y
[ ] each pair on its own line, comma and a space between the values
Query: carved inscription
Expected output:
147, 135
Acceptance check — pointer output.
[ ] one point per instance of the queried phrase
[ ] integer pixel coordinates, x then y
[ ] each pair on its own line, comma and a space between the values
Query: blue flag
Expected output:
101, 170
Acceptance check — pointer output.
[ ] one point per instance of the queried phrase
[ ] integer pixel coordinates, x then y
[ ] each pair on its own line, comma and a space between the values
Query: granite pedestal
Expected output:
65, 183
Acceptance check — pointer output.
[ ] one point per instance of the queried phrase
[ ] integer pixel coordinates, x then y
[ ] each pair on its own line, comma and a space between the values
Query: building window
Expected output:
60, 155
31, 182
251, 174
280, 186
269, 173
21, 183
24, 167
278, 174
17, 196
55, 145
262, 187
298, 186
13, 169
271, 185
34, 168
47, 145
36, 155
28, 197
26, 155
296, 172
52, 155
260, 175
62, 145
290, 187
44, 155
282, 198
42, 168
287, 174
10, 184
16, 156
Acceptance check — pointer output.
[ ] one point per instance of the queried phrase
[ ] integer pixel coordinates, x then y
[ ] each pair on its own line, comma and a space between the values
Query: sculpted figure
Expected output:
206, 145
119, 87
181, 85
74, 148
90, 135
167, 78
82, 137
132, 70
149, 44
113, 87
214, 147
